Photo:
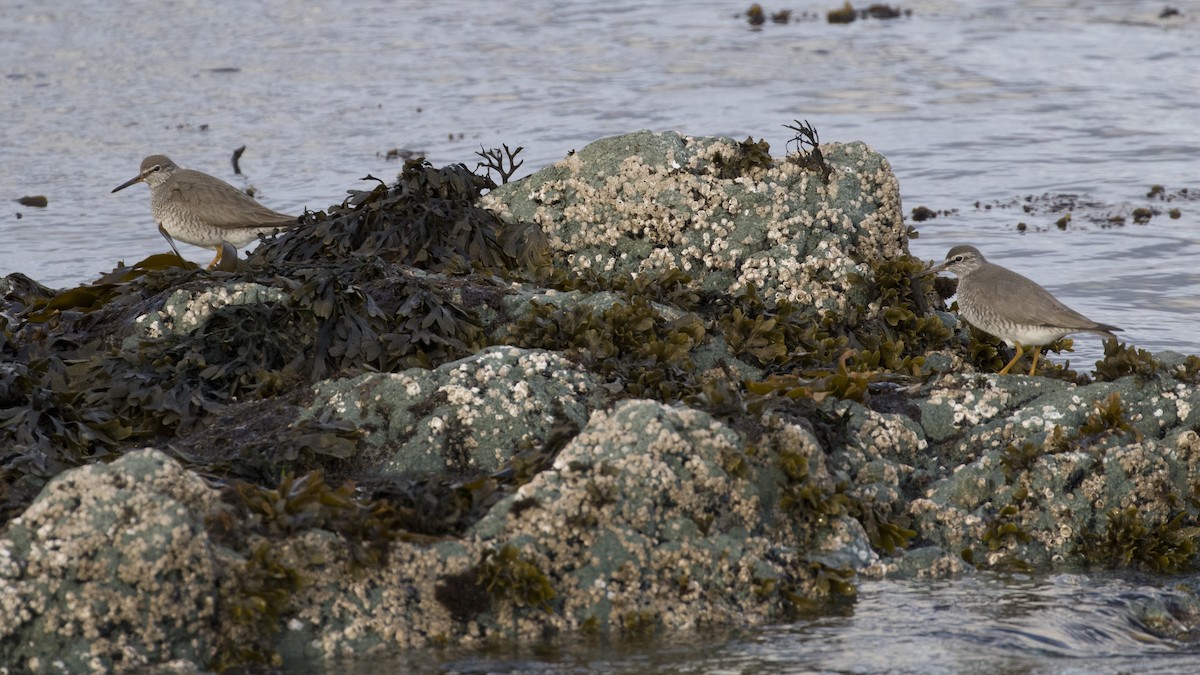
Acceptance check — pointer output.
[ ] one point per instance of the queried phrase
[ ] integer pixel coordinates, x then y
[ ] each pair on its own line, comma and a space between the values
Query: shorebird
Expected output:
201, 210
1017, 310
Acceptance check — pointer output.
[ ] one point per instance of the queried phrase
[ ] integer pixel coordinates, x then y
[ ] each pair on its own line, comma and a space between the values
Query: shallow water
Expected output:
972, 102
988, 623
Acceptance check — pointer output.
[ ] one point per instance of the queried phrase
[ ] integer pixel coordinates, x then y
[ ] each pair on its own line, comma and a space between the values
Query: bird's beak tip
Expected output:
126, 184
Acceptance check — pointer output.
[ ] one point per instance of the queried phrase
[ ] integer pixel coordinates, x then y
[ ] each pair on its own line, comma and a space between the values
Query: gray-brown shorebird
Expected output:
201, 210
1017, 310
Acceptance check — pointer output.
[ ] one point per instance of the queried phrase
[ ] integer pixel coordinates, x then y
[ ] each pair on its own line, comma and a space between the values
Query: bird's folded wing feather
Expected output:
1029, 304
225, 206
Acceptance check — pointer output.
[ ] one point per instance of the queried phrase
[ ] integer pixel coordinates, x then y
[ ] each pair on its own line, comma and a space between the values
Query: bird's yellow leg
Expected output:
217, 260
1020, 352
1036, 351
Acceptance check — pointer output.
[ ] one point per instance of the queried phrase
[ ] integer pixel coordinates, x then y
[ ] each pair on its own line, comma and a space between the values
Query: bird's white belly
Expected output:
1026, 335
201, 234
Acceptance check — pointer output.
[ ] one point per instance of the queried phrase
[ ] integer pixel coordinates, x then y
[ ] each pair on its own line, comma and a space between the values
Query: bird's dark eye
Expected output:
958, 258
154, 168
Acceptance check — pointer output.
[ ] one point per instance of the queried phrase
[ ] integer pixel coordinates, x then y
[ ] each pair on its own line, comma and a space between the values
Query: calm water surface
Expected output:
993, 624
976, 105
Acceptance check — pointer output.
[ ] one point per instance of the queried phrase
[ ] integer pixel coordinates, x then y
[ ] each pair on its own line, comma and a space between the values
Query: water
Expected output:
972, 102
988, 623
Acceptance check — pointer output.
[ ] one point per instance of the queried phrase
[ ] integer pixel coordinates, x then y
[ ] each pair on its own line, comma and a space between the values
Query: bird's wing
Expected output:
224, 205
1022, 301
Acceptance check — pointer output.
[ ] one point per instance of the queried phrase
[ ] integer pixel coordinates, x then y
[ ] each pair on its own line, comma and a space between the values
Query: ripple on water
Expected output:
988, 623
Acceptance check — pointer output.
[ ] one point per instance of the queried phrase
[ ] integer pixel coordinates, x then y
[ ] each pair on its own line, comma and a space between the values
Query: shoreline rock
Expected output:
681, 384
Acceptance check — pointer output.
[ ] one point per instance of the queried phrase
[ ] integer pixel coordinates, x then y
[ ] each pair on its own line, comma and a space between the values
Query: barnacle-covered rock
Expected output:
660, 528
647, 202
469, 415
111, 568
639, 526
186, 310
724, 397
1025, 473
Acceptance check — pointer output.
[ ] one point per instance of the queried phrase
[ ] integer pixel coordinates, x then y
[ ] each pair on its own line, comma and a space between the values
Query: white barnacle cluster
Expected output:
1035, 419
556, 367
967, 409
412, 387
662, 258
184, 311
759, 271
342, 402
889, 431
1187, 447
1145, 466
466, 398
950, 518
149, 326
1178, 396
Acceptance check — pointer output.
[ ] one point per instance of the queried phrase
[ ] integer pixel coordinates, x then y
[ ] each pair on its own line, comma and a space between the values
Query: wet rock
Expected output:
648, 202
590, 441
110, 568
469, 415
37, 201
187, 310
660, 528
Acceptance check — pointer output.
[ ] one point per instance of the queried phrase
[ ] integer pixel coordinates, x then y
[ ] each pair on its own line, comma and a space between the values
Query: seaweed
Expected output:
777, 336
504, 164
255, 601
817, 386
749, 156
1121, 360
887, 532
802, 497
821, 588
1107, 418
631, 343
1015, 459
300, 504
509, 576
830, 581
463, 594
429, 220
672, 287
1004, 531
808, 149
639, 623
1137, 539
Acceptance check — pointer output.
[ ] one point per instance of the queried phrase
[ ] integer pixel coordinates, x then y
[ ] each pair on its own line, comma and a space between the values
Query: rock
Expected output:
470, 415
37, 201
110, 568
601, 444
648, 202
1032, 473
186, 311
660, 530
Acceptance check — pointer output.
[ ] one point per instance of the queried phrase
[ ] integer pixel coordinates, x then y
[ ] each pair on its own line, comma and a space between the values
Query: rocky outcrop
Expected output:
468, 415
721, 211
683, 384
111, 567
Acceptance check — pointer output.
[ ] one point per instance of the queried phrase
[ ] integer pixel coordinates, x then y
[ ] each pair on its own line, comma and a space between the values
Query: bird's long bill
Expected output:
932, 270
131, 181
